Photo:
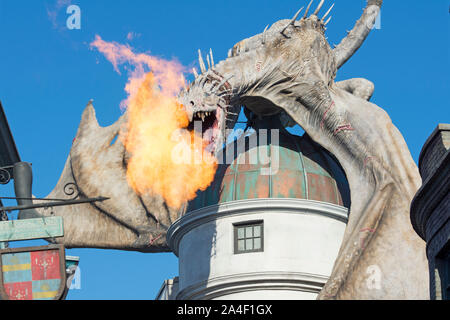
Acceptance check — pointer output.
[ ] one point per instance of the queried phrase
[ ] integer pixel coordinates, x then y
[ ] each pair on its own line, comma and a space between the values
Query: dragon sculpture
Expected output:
289, 69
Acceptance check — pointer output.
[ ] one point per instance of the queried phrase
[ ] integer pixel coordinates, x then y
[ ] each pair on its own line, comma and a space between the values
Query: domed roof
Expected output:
293, 167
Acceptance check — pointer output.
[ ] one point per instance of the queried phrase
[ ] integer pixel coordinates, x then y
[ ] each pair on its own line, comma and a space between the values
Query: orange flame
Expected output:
165, 158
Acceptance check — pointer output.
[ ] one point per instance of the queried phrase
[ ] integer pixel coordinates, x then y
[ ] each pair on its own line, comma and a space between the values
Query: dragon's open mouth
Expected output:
209, 125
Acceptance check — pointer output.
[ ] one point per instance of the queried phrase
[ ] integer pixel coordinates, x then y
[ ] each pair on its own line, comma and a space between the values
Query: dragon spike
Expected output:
328, 20
223, 82
224, 93
319, 7
264, 35
212, 57
201, 62
307, 9
292, 22
296, 15
208, 61
194, 71
328, 12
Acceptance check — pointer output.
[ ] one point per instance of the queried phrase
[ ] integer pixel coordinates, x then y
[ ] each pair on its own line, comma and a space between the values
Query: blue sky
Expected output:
48, 74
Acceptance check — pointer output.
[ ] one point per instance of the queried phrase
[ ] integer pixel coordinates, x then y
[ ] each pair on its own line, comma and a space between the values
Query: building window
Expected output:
249, 237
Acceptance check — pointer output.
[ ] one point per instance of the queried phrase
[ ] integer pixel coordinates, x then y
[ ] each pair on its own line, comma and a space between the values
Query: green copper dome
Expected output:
258, 166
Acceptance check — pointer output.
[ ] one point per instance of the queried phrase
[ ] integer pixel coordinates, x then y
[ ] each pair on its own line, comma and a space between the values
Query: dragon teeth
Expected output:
203, 115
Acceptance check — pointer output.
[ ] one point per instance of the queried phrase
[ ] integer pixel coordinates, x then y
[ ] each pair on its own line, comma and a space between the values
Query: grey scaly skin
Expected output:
288, 69
291, 68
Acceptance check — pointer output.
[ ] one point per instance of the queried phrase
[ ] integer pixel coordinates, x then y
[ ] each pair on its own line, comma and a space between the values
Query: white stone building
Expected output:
265, 229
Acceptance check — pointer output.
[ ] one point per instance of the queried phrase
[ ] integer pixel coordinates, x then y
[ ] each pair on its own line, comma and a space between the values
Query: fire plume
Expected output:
164, 157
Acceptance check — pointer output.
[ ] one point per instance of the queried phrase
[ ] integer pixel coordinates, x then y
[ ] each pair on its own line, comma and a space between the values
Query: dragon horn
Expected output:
212, 57
307, 9
319, 7
292, 21
201, 62
329, 10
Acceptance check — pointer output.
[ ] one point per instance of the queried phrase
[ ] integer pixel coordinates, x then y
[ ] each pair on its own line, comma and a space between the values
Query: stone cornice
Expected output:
433, 191
220, 286
433, 150
243, 207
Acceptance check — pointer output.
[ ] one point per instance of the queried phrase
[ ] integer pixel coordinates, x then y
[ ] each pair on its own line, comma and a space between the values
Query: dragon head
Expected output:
259, 69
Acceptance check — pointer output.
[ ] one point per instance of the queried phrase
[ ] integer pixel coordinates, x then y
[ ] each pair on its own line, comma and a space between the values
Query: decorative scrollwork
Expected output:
71, 190
5, 176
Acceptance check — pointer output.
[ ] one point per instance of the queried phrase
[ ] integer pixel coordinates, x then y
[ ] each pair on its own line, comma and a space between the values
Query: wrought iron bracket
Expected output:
71, 189
53, 204
3, 216
5, 175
